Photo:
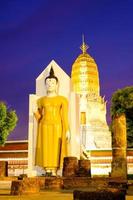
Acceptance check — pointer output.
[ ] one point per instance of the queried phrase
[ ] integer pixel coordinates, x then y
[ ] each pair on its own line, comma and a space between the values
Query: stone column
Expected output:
3, 168
84, 168
119, 147
70, 166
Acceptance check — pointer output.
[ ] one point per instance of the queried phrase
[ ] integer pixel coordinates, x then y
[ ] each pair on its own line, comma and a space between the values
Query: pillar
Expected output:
119, 147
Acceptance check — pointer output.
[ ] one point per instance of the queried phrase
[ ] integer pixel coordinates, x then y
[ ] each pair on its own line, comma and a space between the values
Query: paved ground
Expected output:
47, 195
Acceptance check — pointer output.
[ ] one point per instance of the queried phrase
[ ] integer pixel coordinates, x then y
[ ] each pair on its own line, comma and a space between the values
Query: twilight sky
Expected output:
33, 32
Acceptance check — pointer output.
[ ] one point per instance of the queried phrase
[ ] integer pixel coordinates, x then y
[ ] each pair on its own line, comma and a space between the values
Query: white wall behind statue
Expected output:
64, 80
63, 90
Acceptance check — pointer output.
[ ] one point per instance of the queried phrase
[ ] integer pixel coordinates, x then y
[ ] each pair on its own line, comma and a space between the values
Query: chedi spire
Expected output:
84, 46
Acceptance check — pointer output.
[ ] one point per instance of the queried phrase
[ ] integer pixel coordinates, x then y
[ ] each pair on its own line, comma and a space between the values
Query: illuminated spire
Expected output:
84, 46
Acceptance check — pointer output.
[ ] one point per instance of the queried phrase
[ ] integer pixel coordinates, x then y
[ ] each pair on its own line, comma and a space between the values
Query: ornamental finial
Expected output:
84, 46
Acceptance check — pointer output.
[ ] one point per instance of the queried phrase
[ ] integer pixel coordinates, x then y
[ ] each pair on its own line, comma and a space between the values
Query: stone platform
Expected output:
37, 184
59, 187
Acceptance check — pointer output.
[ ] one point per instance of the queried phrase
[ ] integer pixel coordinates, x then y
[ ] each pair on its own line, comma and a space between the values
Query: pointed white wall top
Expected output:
64, 80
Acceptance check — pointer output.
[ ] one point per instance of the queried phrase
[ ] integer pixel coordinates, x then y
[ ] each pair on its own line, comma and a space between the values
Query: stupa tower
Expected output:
85, 76
94, 130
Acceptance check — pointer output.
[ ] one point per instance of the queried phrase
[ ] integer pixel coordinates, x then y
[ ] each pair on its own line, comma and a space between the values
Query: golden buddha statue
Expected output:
52, 117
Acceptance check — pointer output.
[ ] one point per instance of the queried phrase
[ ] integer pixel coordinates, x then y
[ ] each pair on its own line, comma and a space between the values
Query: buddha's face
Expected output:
51, 84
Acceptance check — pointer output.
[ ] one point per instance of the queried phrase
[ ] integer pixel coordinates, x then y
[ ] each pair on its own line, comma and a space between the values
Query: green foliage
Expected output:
8, 121
122, 102
130, 176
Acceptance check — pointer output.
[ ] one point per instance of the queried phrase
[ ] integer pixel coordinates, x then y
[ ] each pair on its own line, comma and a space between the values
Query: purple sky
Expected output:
33, 32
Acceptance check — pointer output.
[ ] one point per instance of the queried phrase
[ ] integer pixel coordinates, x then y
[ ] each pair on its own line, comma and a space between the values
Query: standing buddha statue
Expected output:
53, 130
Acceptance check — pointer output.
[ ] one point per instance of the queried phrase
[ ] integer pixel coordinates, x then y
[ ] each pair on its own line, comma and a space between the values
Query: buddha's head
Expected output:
51, 81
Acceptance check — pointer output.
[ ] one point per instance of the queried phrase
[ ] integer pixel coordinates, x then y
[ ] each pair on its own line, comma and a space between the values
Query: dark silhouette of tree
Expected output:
122, 102
8, 121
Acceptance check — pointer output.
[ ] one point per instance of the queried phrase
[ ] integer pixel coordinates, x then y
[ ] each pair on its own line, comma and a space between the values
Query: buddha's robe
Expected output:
52, 127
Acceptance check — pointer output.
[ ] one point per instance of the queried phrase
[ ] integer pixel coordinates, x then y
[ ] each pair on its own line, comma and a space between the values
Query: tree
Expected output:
8, 121
122, 102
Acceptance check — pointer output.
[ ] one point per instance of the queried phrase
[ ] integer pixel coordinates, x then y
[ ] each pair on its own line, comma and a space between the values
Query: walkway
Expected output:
47, 195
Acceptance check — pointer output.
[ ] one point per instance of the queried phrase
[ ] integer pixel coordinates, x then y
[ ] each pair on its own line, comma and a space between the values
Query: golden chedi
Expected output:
85, 77
94, 130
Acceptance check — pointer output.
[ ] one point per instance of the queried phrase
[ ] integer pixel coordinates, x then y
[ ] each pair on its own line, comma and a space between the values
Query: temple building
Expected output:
87, 120
94, 130
87, 109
